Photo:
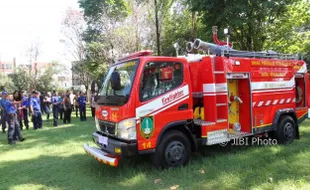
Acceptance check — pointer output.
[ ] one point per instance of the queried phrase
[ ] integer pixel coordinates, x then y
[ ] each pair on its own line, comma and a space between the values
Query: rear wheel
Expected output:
173, 150
286, 131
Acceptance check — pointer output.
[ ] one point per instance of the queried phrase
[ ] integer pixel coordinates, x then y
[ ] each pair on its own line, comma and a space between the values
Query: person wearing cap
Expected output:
4, 117
14, 128
36, 110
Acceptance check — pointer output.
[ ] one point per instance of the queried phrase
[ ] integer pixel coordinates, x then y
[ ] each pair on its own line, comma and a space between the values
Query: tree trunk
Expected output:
194, 35
157, 28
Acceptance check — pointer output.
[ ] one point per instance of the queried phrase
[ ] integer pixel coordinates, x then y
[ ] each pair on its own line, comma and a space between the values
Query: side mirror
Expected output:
115, 80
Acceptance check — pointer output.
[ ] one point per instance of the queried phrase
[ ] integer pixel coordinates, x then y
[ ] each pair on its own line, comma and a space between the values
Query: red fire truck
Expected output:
170, 106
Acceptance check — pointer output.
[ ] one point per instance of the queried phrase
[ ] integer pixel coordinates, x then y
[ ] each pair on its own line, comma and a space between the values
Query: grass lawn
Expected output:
53, 158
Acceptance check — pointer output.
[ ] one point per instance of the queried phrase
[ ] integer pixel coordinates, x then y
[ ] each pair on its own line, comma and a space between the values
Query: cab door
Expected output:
163, 98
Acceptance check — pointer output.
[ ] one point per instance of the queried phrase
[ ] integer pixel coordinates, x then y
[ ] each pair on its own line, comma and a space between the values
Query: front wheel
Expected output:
286, 131
173, 150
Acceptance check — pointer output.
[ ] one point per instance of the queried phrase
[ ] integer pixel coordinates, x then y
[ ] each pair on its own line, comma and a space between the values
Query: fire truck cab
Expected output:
169, 106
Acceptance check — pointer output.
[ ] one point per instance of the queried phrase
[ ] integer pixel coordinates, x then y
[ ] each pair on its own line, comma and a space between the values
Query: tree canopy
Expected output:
115, 28
6, 83
21, 80
290, 33
247, 20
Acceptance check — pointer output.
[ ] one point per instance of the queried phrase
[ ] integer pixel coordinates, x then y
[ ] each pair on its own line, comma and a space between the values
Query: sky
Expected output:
23, 22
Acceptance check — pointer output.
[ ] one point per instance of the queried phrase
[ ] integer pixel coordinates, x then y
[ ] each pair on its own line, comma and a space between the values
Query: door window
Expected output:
159, 78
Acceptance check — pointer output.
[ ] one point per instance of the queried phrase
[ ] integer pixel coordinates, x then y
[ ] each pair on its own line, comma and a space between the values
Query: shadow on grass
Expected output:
74, 172
225, 168
230, 167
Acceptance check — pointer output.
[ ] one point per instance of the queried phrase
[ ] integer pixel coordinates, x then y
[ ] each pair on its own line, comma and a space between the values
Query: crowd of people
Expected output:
16, 108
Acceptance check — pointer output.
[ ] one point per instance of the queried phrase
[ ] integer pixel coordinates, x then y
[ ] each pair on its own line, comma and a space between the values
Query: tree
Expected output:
157, 27
33, 53
94, 9
80, 73
178, 27
6, 83
73, 29
44, 82
114, 28
134, 26
21, 79
102, 17
290, 33
247, 19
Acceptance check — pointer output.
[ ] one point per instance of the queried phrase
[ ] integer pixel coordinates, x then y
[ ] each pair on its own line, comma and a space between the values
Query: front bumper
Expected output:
106, 152
101, 156
127, 149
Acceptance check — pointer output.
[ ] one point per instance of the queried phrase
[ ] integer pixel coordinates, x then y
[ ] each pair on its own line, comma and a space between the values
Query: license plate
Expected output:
103, 140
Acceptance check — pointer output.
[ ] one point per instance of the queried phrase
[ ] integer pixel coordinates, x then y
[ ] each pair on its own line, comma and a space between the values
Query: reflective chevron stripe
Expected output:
273, 102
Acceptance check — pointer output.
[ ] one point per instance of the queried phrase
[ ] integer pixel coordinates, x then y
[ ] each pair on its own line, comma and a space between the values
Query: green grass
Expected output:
53, 158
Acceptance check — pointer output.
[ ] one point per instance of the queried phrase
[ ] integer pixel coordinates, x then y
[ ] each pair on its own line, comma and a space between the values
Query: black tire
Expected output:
174, 150
286, 130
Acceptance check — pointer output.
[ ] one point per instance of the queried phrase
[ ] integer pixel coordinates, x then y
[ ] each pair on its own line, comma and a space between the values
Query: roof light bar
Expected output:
137, 54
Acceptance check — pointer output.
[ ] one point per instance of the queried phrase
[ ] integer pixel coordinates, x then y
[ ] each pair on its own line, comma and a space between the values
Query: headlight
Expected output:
126, 129
97, 124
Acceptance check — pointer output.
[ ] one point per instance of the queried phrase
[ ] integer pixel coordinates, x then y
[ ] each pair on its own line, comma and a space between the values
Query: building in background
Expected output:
7, 67
24, 67
62, 79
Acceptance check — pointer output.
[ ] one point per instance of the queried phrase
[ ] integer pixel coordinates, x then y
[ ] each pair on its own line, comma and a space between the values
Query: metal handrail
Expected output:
236, 53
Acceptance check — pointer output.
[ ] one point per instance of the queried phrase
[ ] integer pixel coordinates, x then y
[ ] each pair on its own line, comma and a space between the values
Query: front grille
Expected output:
108, 127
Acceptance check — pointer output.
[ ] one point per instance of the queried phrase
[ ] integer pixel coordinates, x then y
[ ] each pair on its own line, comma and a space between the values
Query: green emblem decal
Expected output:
147, 127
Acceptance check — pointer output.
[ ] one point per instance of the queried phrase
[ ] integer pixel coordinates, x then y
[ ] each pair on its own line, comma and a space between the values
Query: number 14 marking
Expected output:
146, 145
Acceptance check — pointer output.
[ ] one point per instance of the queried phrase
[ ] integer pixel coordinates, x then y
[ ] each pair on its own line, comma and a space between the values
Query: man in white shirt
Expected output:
71, 96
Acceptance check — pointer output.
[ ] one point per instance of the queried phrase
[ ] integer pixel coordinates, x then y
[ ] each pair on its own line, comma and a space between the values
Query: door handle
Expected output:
183, 107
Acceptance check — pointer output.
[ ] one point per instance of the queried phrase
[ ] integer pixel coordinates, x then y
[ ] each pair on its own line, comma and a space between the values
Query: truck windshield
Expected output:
127, 72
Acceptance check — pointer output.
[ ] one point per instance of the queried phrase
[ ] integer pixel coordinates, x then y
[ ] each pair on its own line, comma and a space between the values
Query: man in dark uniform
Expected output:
14, 129
82, 104
4, 117
36, 110
42, 105
55, 103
